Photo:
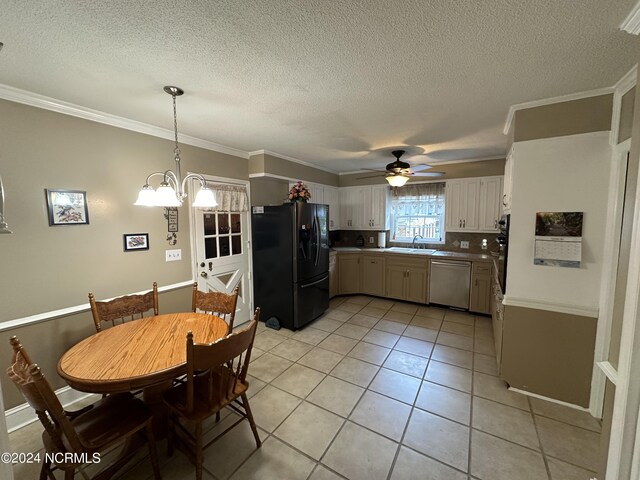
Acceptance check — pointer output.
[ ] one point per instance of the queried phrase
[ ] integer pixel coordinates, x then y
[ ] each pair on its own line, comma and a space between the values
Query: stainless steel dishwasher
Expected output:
449, 283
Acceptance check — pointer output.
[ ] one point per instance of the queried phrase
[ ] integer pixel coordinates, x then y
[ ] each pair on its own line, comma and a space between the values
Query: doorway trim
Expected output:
601, 366
192, 232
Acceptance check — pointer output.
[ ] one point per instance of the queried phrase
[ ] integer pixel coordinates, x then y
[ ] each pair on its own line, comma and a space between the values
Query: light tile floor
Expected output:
377, 389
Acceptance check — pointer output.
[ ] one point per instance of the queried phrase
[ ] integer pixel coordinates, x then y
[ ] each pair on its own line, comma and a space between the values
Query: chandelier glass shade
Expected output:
172, 189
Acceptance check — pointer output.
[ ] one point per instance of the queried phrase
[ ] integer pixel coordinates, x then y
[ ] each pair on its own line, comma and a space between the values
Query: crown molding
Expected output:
291, 159
631, 24
627, 82
550, 101
47, 103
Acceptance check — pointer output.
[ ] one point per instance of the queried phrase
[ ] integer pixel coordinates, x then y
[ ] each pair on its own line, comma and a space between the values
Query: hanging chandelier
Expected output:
171, 192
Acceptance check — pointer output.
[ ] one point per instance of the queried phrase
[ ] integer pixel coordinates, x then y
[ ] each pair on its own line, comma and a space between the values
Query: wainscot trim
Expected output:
23, 415
63, 312
582, 311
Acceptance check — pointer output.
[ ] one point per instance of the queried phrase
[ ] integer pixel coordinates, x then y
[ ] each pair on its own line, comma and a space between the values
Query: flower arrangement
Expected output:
299, 193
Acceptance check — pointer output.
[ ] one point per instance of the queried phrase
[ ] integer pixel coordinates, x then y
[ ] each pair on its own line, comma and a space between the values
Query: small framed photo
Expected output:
67, 207
135, 241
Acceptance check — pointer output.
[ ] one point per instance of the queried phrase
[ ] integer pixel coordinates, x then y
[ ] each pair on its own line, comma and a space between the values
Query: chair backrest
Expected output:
124, 308
220, 304
36, 390
227, 358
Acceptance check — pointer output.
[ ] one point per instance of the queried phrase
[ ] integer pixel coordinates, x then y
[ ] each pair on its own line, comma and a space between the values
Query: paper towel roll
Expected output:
382, 239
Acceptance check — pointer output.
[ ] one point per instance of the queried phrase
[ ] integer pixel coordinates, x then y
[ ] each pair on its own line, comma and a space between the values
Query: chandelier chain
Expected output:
176, 150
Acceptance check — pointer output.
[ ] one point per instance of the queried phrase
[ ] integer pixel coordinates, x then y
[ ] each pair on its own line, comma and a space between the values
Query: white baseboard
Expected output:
23, 415
552, 400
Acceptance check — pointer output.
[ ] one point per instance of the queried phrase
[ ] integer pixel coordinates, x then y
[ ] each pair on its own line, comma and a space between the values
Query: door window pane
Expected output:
223, 223
210, 247
235, 223
209, 224
224, 247
236, 245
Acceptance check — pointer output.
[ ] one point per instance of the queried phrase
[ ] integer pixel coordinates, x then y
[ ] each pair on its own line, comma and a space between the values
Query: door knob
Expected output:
204, 274
201, 264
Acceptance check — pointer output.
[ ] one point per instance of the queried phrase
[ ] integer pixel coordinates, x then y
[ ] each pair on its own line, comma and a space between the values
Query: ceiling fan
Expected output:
399, 172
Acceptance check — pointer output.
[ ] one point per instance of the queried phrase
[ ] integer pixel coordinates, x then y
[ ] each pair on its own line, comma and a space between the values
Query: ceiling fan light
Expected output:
205, 198
397, 180
147, 197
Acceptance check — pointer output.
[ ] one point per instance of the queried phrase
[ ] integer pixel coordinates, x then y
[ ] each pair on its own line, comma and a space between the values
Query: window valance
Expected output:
230, 198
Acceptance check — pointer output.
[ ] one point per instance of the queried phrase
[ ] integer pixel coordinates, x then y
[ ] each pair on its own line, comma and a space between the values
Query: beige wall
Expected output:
48, 268
284, 168
485, 168
46, 342
592, 114
548, 353
268, 191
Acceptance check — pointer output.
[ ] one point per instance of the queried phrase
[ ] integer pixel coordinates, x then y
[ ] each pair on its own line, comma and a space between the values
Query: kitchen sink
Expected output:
415, 251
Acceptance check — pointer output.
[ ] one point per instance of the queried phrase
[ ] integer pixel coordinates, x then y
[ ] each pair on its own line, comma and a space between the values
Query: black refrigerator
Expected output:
291, 262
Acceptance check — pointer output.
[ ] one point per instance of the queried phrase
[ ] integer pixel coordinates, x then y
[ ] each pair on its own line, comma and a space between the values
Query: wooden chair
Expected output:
216, 378
220, 304
123, 308
74, 437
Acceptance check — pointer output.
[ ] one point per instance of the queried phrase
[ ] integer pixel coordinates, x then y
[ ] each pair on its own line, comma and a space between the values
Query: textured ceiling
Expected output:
332, 83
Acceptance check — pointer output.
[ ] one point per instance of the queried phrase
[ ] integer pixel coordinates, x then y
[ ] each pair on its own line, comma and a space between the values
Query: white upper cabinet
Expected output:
473, 204
363, 208
375, 207
505, 201
490, 208
332, 198
461, 205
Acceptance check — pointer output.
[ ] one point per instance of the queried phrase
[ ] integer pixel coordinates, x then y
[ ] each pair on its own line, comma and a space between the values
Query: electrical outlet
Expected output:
464, 244
370, 239
173, 255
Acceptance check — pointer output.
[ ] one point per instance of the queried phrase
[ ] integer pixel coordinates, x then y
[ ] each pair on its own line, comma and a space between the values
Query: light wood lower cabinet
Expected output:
407, 279
480, 297
372, 281
349, 273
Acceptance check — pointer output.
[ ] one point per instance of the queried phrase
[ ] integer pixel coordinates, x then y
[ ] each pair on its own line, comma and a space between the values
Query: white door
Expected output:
222, 256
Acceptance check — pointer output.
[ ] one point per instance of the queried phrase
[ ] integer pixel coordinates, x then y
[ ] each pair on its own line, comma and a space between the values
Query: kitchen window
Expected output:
418, 209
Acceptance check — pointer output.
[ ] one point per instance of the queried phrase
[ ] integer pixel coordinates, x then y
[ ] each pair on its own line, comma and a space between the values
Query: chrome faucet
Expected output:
413, 244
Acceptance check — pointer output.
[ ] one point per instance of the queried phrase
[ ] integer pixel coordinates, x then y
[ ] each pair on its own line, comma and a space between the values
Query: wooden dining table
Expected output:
139, 354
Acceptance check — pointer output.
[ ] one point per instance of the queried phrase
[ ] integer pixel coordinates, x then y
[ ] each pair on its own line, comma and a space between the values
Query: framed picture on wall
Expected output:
67, 207
135, 241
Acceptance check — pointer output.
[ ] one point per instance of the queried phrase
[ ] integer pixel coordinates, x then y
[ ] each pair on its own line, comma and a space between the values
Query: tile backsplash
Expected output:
453, 240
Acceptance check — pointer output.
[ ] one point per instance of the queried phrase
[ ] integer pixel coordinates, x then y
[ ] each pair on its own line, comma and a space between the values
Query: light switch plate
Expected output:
173, 255
370, 239
464, 244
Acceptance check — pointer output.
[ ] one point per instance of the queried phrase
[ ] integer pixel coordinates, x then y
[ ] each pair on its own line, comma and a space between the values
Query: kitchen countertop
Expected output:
477, 257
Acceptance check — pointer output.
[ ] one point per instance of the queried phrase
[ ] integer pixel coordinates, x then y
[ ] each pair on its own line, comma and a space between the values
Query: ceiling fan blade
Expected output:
428, 174
419, 168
